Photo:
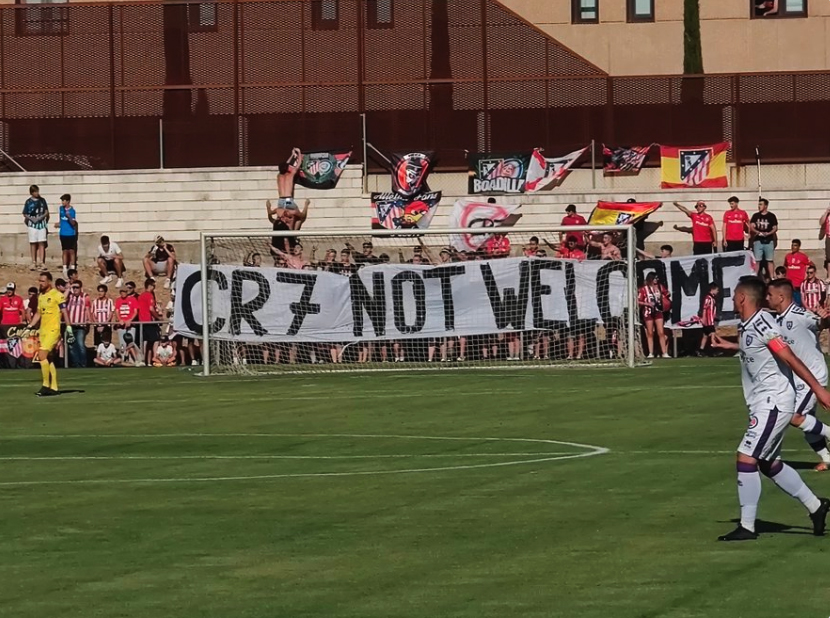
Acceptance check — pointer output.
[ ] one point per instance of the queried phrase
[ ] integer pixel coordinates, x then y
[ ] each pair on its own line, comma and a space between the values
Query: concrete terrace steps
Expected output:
134, 206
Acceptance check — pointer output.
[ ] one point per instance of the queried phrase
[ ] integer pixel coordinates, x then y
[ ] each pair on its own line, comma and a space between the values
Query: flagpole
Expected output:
365, 155
758, 166
593, 164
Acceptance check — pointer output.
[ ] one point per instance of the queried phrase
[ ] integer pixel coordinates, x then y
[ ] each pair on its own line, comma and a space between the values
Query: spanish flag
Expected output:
694, 166
621, 213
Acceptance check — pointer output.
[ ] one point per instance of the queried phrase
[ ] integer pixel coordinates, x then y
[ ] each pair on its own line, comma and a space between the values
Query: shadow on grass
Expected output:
801, 465
770, 527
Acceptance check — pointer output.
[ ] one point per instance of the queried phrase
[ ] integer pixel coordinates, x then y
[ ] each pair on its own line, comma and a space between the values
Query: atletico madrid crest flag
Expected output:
624, 159
621, 213
393, 211
694, 166
322, 170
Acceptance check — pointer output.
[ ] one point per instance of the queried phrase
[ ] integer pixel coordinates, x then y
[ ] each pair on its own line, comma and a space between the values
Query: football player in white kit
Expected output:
767, 367
799, 329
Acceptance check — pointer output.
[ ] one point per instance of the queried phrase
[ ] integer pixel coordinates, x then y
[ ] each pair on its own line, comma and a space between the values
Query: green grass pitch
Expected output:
445, 494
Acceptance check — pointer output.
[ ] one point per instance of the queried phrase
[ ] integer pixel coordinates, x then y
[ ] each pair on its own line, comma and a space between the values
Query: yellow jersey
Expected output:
49, 307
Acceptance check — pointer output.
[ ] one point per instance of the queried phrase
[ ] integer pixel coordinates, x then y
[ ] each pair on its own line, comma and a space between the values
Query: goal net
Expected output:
347, 301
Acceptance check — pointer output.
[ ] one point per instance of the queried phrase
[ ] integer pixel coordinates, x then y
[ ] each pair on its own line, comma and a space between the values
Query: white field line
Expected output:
269, 457
588, 451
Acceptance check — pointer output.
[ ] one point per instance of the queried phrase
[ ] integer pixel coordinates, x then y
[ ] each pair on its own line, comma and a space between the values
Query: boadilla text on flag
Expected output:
621, 213
694, 166
624, 159
393, 211
322, 170
546, 173
498, 173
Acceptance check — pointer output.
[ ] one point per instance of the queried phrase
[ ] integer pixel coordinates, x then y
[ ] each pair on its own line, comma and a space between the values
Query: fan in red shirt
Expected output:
704, 233
571, 218
735, 226
796, 264
498, 245
126, 312
11, 307
569, 251
708, 317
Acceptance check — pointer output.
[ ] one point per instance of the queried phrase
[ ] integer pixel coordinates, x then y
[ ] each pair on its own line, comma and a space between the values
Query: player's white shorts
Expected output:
37, 235
805, 401
765, 434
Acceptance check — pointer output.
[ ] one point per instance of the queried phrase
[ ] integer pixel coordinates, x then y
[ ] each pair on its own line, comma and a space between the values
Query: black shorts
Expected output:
147, 333
701, 248
69, 243
109, 265
735, 245
708, 330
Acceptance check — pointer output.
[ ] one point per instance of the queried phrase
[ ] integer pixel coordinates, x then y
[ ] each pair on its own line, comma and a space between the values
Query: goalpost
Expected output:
341, 300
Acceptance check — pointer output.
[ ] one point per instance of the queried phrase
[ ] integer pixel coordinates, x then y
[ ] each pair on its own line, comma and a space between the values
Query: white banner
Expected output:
688, 278
401, 301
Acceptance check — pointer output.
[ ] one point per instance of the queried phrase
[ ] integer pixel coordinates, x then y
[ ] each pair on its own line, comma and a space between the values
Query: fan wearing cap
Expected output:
704, 233
160, 260
572, 218
11, 307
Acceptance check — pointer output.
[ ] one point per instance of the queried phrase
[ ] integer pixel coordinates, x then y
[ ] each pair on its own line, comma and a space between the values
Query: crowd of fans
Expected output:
132, 329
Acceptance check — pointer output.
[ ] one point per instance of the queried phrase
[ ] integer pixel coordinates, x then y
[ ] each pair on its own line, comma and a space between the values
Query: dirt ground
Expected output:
24, 278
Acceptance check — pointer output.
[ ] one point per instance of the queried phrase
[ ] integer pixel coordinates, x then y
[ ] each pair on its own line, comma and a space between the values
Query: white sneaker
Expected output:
167, 284
194, 363
119, 283
666, 355
106, 280
650, 356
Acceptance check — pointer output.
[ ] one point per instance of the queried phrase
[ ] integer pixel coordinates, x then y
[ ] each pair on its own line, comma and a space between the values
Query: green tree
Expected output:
692, 50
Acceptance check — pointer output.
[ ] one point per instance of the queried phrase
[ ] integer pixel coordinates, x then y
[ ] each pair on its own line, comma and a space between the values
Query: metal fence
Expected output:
149, 84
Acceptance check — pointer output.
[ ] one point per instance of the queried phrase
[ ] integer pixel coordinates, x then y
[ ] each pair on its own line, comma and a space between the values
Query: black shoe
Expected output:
740, 534
47, 392
42, 390
819, 518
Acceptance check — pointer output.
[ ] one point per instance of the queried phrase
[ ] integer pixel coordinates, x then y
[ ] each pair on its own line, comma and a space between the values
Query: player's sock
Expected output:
44, 371
53, 374
749, 493
819, 445
791, 483
811, 425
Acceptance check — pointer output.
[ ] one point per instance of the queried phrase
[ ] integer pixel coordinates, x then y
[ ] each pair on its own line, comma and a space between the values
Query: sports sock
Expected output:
749, 493
53, 374
44, 371
813, 426
819, 445
791, 483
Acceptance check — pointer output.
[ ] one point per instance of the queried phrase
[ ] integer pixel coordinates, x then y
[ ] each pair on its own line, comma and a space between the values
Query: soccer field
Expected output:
576, 493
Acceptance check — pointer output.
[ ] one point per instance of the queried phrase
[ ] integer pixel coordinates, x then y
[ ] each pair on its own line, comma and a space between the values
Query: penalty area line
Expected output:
270, 477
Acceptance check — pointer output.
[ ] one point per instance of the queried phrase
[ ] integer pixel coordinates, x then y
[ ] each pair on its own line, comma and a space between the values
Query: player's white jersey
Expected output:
800, 329
767, 382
